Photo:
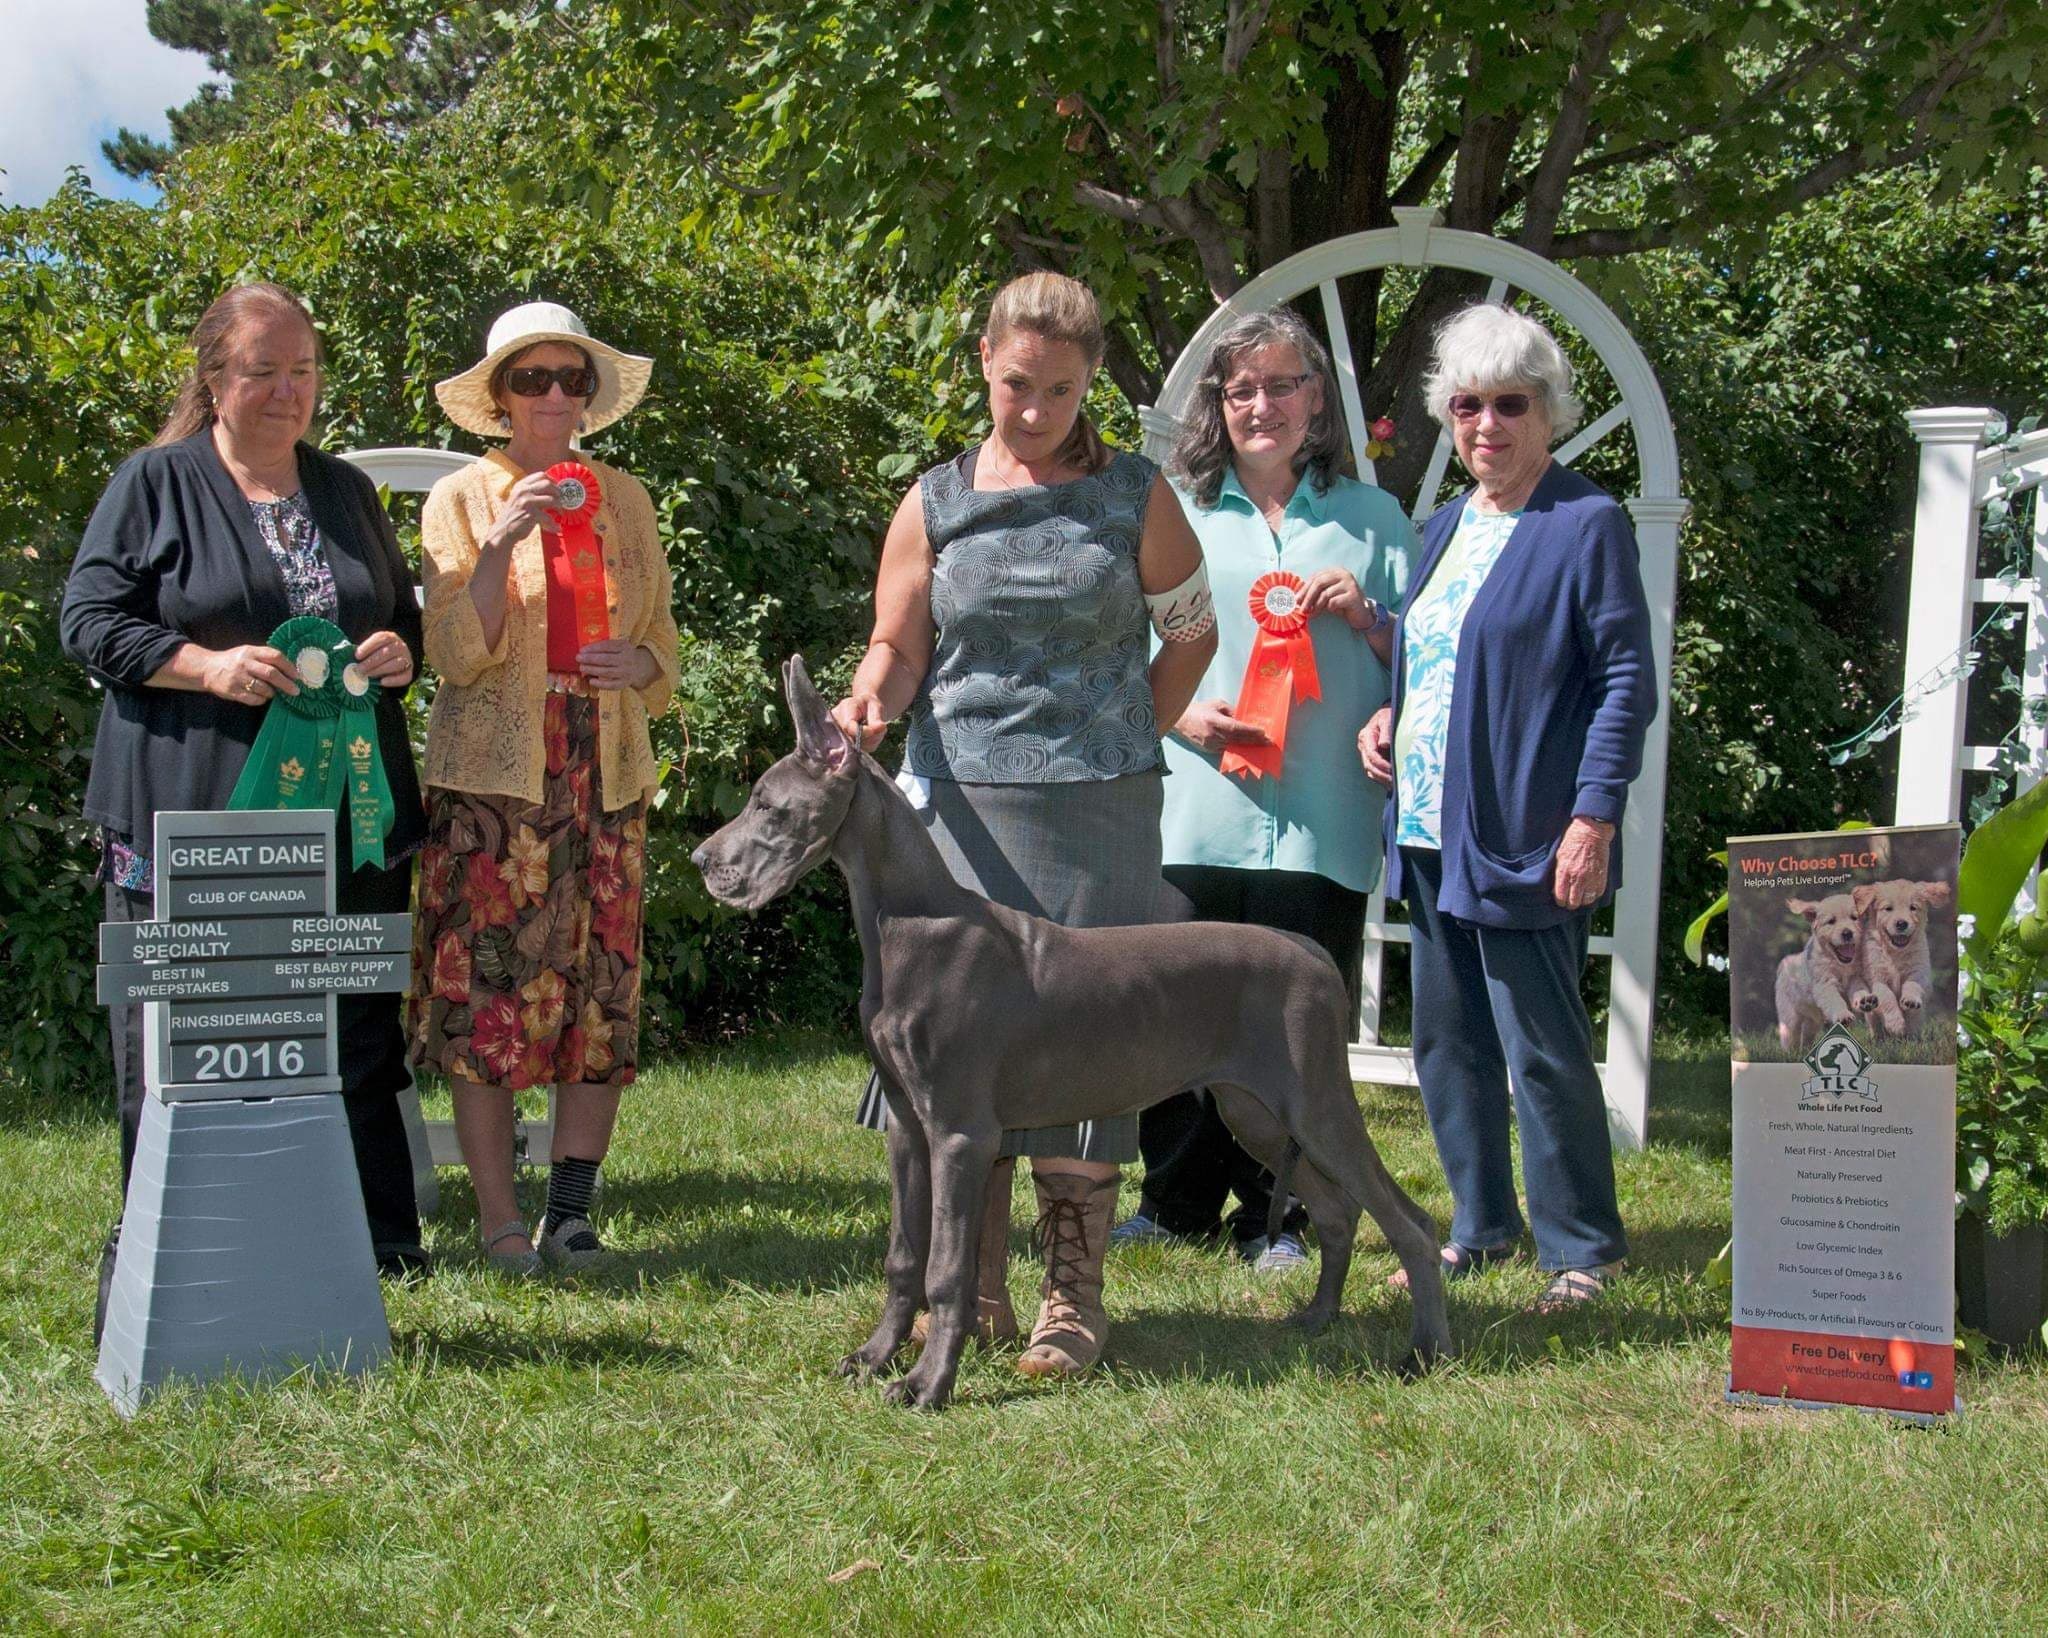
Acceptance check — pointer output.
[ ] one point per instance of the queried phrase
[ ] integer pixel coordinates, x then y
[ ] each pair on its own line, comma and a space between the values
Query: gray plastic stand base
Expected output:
244, 1250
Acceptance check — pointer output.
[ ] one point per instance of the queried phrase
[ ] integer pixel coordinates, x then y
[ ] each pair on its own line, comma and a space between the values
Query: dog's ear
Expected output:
1931, 893
1803, 907
1863, 897
818, 738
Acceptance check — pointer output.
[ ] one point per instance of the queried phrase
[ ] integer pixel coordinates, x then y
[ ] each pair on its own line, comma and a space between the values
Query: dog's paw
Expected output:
1314, 1319
1864, 1001
1419, 1361
917, 1392
867, 1362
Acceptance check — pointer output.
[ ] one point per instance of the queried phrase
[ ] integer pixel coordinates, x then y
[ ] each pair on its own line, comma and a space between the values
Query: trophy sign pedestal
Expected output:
244, 1250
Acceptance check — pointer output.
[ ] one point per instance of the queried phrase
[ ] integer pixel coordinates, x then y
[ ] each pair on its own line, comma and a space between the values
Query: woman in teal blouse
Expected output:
1257, 472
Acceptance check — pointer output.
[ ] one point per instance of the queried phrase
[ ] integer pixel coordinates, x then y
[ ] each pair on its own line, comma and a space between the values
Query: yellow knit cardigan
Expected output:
485, 731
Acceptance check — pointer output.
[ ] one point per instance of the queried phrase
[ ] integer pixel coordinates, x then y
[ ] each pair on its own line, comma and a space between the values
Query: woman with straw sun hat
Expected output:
548, 620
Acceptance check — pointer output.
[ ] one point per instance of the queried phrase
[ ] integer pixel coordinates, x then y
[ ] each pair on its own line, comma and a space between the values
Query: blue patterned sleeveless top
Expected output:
1039, 667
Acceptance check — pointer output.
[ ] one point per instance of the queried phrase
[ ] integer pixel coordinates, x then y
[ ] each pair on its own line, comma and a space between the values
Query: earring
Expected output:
504, 421
582, 423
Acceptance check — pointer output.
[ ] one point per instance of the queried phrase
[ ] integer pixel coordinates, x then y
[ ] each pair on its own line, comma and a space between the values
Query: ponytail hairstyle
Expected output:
213, 344
1054, 307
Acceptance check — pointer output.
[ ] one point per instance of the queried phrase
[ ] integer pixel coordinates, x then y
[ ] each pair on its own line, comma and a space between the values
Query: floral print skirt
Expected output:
526, 944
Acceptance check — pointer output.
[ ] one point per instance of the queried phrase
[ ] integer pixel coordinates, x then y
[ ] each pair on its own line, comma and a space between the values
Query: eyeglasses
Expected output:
533, 380
1509, 406
1241, 393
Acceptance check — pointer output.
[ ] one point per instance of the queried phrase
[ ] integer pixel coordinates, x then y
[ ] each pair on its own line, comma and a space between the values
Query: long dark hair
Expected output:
1056, 308
213, 344
1201, 454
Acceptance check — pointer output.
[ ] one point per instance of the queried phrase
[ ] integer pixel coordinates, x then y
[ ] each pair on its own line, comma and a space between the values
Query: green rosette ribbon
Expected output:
318, 748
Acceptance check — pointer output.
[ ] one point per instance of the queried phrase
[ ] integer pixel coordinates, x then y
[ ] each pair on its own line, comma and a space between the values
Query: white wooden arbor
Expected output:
1958, 474
414, 472
1418, 239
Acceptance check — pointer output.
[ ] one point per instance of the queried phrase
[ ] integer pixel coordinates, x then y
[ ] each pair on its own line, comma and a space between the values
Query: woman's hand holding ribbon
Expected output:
1211, 727
526, 508
383, 658
249, 675
616, 664
1335, 591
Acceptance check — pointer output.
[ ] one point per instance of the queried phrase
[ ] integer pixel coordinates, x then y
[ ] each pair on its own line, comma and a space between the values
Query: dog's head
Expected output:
1836, 922
1898, 909
793, 811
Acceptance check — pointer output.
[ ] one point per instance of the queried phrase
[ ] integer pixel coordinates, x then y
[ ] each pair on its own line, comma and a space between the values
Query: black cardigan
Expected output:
172, 555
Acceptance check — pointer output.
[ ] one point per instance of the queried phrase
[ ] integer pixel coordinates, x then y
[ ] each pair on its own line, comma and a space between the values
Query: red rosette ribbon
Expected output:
574, 519
1281, 670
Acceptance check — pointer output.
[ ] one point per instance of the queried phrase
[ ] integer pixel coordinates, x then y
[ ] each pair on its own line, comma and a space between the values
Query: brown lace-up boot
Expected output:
995, 1320
1074, 1212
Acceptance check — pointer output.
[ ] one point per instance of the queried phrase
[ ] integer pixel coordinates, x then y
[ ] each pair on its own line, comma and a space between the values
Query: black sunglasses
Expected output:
533, 380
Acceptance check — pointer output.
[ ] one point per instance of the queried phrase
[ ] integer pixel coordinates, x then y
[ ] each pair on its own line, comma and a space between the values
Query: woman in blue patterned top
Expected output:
1011, 621
1258, 467
1524, 684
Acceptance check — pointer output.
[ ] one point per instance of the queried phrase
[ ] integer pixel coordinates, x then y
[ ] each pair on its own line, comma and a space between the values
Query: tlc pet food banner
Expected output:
1842, 986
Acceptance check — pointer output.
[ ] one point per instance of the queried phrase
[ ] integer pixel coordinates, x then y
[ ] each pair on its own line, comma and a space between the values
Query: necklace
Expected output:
995, 471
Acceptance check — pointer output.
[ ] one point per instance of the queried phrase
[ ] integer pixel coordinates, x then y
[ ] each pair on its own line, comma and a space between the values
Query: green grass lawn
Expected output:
666, 1447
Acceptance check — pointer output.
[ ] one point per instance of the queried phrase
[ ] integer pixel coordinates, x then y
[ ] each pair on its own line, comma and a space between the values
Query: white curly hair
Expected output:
1489, 347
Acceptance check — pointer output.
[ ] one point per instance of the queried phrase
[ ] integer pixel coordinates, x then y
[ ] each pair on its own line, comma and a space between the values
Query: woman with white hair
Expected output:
1276, 835
1523, 686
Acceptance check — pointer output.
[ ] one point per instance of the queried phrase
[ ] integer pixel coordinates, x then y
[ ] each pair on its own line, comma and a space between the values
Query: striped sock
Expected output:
571, 1183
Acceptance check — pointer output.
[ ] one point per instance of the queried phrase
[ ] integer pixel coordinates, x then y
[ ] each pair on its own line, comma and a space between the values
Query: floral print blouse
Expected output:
288, 529
1429, 652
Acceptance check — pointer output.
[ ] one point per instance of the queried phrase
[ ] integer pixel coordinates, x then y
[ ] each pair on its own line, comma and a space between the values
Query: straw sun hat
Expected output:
621, 377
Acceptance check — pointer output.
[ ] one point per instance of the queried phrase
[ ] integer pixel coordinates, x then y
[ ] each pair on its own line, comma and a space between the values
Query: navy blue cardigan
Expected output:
171, 556
1556, 687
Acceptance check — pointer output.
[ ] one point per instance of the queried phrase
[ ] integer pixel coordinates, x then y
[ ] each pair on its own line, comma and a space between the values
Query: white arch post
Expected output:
1957, 476
414, 472
1419, 239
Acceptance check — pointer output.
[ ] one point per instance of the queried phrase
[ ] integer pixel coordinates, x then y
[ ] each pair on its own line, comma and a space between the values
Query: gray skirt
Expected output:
1083, 853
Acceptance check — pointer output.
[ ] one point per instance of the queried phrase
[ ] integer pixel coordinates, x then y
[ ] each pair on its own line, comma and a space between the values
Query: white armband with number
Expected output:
1185, 614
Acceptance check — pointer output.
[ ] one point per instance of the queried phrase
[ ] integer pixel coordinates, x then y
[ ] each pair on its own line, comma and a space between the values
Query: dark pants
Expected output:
1192, 1163
372, 1064
1500, 1007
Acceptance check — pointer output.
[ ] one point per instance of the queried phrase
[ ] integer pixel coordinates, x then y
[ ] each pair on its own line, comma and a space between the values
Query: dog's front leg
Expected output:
1912, 999
910, 1229
1888, 1009
1834, 1007
960, 1175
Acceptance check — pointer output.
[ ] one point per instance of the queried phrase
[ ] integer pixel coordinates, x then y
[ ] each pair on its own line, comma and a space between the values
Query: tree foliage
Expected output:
780, 204
239, 40
763, 442
1165, 151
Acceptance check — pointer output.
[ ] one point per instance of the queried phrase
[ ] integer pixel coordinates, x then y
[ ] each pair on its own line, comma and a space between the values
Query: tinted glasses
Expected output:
1507, 405
533, 380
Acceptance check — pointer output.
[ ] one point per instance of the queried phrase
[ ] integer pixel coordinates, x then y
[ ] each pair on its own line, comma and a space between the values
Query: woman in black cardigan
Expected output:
202, 545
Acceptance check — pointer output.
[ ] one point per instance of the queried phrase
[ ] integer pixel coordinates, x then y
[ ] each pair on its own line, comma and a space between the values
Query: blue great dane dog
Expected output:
980, 1018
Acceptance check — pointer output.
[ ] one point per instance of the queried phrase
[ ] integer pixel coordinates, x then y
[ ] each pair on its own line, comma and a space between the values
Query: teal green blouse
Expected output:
1322, 815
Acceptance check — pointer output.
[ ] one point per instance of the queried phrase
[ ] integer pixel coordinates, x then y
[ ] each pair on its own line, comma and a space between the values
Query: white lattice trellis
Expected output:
1420, 240
1957, 476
